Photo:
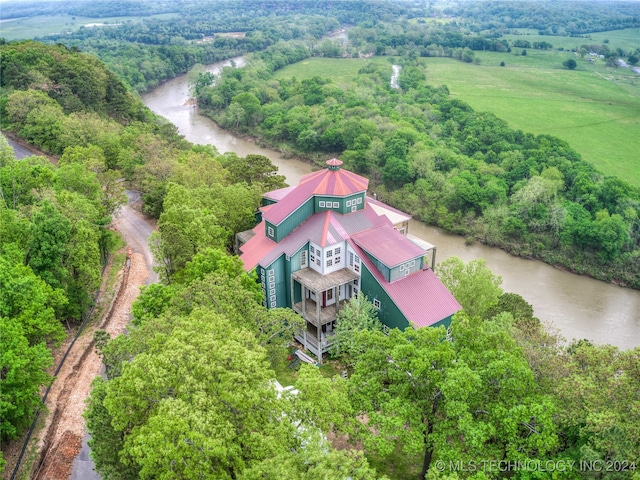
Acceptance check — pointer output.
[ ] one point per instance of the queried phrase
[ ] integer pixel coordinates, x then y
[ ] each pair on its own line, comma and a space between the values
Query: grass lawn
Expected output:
38, 26
596, 109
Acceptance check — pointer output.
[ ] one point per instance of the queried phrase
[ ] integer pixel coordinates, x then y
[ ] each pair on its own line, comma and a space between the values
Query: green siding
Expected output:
397, 272
286, 226
446, 322
279, 271
342, 203
292, 265
389, 313
382, 268
270, 230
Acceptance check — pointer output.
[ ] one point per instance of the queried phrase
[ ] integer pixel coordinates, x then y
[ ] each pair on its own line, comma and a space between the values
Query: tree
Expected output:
493, 406
524, 53
235, 115
253, 169
599, 404
397, 384
357, 315
29, 302
209, 410
22, 374
570, 64
473, 284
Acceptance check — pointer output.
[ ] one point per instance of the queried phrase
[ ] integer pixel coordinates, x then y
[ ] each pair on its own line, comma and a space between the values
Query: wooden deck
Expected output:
310, 342
327, 314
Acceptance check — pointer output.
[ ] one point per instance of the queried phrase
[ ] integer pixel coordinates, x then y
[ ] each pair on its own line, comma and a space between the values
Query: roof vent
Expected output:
334, 164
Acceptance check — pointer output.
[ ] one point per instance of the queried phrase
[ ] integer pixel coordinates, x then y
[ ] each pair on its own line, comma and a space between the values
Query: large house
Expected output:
321, 242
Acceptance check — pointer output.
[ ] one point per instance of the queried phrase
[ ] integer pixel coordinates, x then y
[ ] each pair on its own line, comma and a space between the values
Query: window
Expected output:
351, 259
359, 201
272, 272
348, 203
338, 260
313, 258
272, 298
337, 250
329, 262
402, 267
336, 204
321, 203
272, 278
330, 294
329, 253
272, 291
376, 303
272, 284
413, 263
354, 208
273, 305
356, 268
311, 250
318, 261
303, 259
270, 231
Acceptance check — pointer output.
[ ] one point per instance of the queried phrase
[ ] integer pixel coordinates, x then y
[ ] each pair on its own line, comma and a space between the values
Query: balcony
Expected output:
318, 316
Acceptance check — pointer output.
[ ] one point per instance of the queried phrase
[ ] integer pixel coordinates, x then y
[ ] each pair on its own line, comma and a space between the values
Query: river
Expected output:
579, 307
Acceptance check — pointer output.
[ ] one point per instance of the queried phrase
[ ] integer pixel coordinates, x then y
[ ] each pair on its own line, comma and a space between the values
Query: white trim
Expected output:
321, 203
270, 231
336, 204
274, 305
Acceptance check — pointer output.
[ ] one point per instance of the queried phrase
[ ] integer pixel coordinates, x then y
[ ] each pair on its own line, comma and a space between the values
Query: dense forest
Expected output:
189, 390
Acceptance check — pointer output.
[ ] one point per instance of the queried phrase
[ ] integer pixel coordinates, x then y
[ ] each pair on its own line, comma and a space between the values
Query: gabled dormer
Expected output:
393, 256
333, 189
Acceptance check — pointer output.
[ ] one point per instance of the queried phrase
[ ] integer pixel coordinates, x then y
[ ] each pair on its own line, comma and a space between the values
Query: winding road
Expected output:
63, 443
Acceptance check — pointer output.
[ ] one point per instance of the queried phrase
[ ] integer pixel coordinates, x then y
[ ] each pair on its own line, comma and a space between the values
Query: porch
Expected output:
317, 346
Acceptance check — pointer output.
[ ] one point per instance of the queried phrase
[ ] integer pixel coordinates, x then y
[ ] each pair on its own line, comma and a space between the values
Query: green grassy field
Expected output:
340, 70
627, 39
594, 108
32, 27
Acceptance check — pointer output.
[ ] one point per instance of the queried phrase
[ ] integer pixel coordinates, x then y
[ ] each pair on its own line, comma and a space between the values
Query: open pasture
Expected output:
627, 39
595, 108
340, 70
39, 26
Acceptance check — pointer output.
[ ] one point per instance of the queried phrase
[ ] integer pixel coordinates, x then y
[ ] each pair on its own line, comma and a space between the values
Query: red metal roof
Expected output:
338, 183
421, 297
256, 248
388, 245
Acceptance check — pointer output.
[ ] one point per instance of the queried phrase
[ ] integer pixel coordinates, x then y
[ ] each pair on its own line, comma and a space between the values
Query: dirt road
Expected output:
63, 454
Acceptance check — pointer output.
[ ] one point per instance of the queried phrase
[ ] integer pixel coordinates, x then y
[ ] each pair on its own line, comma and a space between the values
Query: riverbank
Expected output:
618, 272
